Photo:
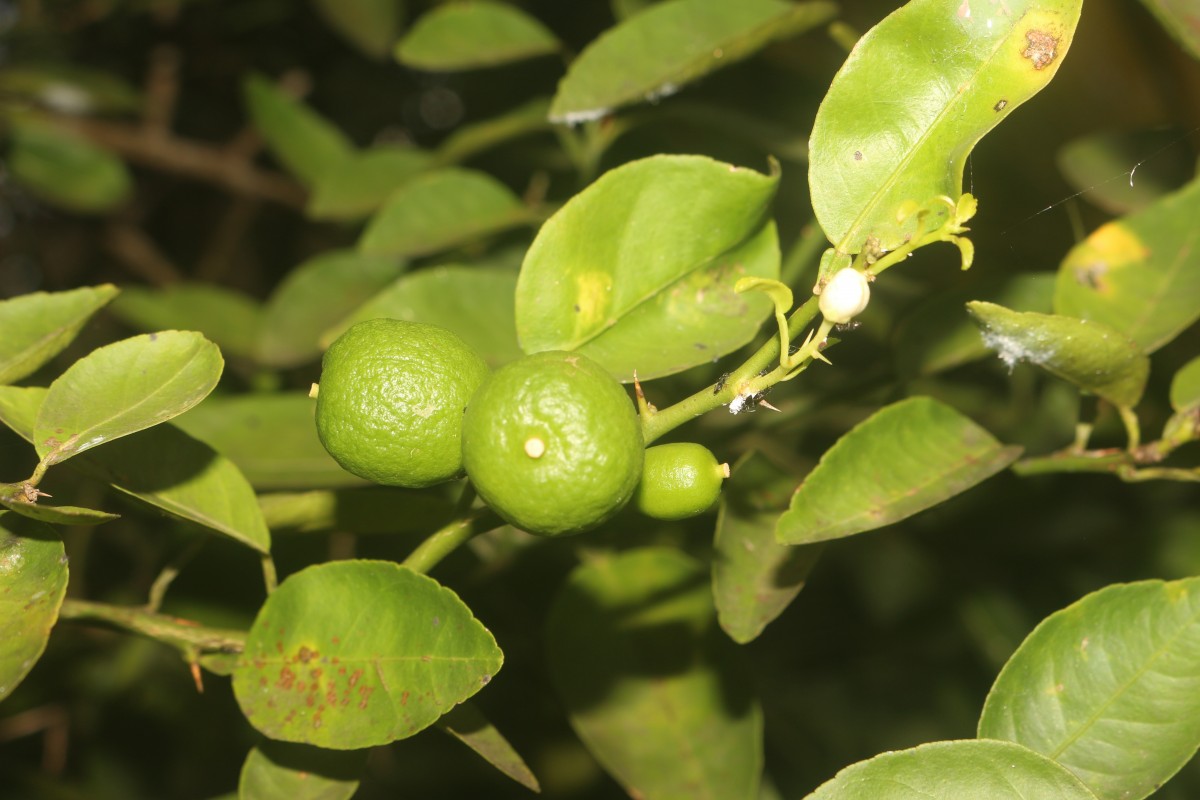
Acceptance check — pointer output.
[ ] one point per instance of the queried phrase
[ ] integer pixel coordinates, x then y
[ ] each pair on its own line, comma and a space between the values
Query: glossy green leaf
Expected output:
1185, 386
352, 654
440, 210
652, 687
315, 295
33, 581
123, 388
916, 94
272, 438
36, 327
754, 577
471, 139
1139, 275
654, 53
904, 458
1094, 357
161, 466
364, 181
637, 271
367, 509
1109, 687
288, 771
961, 770
19, 407
1181, 21
474, 302
1098, 167
67, 170
370, 25
306, 143
12, 498
229, 318
473, 34
467, 724
938, 334
69, 89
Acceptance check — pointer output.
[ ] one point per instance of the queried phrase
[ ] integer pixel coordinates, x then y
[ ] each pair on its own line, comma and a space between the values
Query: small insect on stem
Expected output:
721, 383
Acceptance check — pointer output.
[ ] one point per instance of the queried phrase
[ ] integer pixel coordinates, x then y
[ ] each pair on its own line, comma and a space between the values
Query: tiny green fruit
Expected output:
679, 481
391, 399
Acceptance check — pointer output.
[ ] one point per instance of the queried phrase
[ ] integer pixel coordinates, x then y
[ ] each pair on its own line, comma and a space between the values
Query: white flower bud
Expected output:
845, 296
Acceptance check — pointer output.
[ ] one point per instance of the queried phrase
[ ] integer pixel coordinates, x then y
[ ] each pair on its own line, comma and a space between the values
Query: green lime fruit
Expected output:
553, 444
679, 481
391, 398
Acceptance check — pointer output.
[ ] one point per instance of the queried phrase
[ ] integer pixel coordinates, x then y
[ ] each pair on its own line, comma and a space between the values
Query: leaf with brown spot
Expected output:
394, 649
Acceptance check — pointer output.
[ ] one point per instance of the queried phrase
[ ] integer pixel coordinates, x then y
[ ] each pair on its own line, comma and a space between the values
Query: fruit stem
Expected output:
756, 375
446, 539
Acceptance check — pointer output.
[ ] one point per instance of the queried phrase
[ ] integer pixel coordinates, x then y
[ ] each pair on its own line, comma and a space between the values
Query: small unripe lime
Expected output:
679, 481
553, 443
391, 398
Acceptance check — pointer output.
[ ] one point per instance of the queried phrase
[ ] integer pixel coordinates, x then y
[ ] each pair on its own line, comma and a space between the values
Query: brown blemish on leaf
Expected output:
287, 678
364, 693
1001, 104
301, 686
858, 155
1042, 48
315, 674
404, 698
336, 640
1092, 276
306, 655
354, 677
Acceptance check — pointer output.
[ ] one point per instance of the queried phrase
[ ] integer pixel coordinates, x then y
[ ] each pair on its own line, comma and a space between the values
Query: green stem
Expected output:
270, 578
755, 375
447, 539
1132, 428
185, 635
163, 582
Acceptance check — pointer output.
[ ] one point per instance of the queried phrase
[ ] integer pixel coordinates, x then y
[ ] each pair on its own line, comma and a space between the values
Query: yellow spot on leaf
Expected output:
592, 299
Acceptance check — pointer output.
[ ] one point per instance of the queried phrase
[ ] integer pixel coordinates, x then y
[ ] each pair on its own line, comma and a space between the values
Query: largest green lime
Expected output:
391, 399
552, 442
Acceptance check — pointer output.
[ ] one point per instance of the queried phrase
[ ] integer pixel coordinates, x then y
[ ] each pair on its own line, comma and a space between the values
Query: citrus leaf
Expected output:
33, 582
288, 771
1180, 20
754, 577
1185, 386
306, 143
363, 182
123, 388
904, 458
352, 654
1094, 357
474, 302
440, 210
474, 138
938, 334
916, 94
272, 438
473, 34
19, 407
1139, 275
36, 327
647, 257
1097, 167
1109, 687
229, 318
655, 52
370, 25
469, 726
67, 170
58, 515
652, 688
161, 466
961, 770
313, 296
368, 509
